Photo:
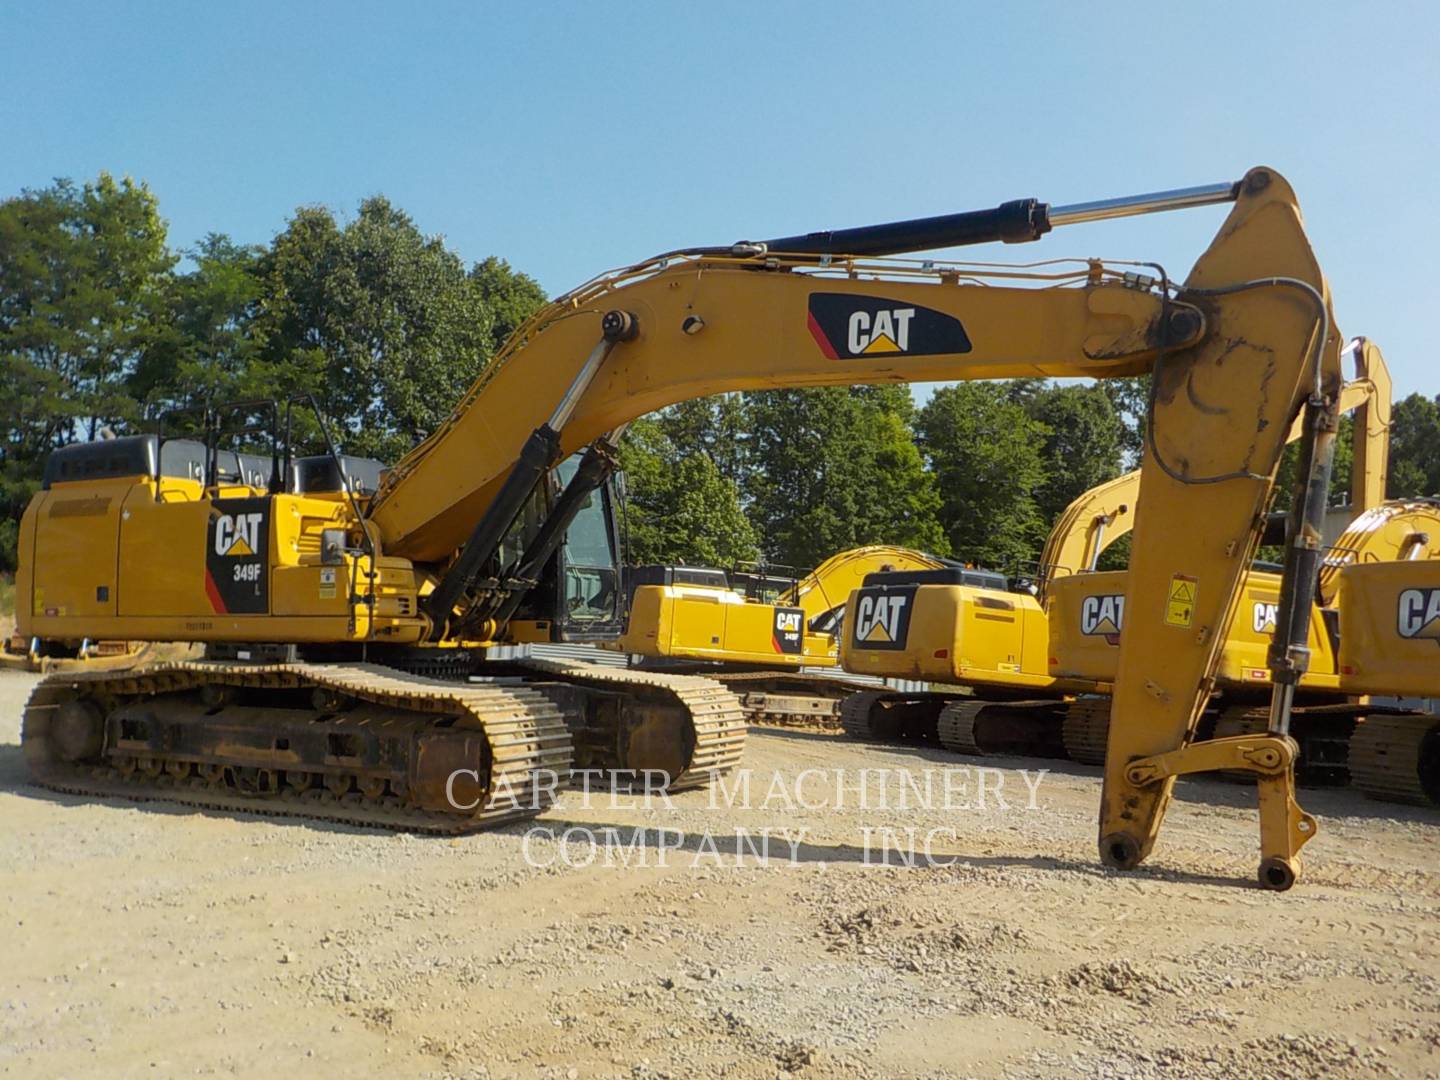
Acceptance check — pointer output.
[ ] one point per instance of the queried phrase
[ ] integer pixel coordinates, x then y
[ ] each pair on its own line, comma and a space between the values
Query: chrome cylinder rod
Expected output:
1153, 203
1015, 222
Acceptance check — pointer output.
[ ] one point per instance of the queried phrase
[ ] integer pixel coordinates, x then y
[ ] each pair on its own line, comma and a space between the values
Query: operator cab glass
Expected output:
589, 593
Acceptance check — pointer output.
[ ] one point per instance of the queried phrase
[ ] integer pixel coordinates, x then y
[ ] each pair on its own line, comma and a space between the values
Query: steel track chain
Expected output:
716, 715
1386, 758
855, 714
526, 733
1086, 730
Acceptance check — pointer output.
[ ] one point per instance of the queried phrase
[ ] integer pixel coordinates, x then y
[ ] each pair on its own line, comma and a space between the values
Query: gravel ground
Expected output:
144, 940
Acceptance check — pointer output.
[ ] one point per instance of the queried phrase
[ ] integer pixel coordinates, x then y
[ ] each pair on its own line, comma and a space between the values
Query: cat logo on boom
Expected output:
850, 327
1103, 616
1418, 614
882, 617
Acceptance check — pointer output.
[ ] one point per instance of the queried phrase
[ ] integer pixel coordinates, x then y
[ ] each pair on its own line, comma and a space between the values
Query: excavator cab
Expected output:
579, 597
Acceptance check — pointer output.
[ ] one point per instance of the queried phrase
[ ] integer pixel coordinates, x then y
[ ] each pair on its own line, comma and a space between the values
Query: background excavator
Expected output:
1012, 662
1389, 630
319, 596
1386, 750
696, 619
960, 636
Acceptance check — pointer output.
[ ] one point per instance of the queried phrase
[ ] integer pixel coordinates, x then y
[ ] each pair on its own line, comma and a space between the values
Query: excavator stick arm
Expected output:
1220, 416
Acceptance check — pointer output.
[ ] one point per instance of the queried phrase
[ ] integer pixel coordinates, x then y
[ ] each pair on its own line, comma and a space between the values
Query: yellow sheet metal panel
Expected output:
1390, 628
669, 622
946, 633
991, 638
766, 634
162, 553
903, 632
243, 567
711, 624
1244, 663
1087, 613
76, 529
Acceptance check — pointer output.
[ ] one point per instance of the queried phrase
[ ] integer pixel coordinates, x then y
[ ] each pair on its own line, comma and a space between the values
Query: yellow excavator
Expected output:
1389, 631
1028, 669
696, 619
1343, 736
1328, 702
335, 598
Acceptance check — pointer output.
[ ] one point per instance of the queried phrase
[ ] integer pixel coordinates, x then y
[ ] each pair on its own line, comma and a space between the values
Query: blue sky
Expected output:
572, 138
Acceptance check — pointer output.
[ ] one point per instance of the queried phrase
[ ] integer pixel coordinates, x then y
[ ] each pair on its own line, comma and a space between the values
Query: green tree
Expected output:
717, 426
381, 322
208, 347
680, 509
1131, 398
511, 297
1083, 447
837, 467
82, 276
1415, 447
986, 453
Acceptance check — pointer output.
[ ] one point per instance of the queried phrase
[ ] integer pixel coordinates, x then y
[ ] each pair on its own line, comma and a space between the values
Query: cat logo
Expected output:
1419, 614
885, 331
787, 637
882, 618
237, 535
1264, 617
1103, 616
237, 572
847, 327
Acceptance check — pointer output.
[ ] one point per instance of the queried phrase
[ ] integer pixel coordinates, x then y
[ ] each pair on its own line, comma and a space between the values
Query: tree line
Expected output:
104, 327
793, 476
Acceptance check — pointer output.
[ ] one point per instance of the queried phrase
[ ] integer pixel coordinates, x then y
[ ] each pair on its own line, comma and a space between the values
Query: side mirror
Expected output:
332, 547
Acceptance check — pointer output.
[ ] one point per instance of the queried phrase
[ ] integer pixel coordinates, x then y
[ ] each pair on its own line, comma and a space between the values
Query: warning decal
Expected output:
1180, 606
